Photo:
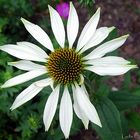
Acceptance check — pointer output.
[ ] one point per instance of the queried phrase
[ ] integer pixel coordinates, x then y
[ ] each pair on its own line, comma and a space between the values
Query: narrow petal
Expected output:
86, 107
79, 113
57, 26
26, 65
38, 34
88, 30
112, 70
34, 48
107, 61
28, 94
66, 113
22, 52
100, 35
50, 108
107, 47
44, 82
84, 89
81, 81
23, 78
72, 25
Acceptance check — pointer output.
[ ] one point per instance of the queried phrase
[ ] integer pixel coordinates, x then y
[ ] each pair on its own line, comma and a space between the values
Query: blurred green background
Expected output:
25, 123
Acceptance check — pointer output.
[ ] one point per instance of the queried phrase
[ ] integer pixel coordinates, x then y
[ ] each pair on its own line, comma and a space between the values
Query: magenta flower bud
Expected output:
63, 9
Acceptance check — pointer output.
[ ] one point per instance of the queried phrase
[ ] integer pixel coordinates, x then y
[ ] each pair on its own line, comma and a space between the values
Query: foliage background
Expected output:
118, 110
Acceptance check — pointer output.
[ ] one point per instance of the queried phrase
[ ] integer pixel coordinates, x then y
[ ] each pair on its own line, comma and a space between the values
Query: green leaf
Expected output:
125, 100
127, 80
134, 120
112, 35
87, 2
110, 119
124, 124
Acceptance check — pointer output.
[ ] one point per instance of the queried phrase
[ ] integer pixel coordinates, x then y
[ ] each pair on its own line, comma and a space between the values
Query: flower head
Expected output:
65, 66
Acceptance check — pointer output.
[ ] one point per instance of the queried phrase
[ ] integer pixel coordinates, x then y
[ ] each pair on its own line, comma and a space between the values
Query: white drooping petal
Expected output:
66, 113
107, 61
84, 89
80, 115
26, 65
88, 30
38, 34
34, 48
100, 35
112, 70
86, 107
22, 52
28, 94
23, 78
50, 108
107, 47
44, 82
78, 111
72, 25
57, 26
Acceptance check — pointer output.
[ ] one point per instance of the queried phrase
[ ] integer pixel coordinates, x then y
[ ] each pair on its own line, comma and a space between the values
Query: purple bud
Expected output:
63, 9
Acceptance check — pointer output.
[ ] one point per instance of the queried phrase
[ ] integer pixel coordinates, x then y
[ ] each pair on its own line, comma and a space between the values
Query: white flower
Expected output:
65, 66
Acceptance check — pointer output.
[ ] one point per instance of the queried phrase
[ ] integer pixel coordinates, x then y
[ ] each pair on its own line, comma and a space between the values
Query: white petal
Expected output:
66, 113
84, 89
78, 111
38, 34
26, 65
107, 61
97, 38
23, 78
86, 107
34, 48
112, 70
27, 94
72, 25
107, 47
22, 52
88, 30
44, 82
80, 115
50, 107
57, 26
81, 79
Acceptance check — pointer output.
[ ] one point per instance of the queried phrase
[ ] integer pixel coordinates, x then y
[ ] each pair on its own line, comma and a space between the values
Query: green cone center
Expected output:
64, 66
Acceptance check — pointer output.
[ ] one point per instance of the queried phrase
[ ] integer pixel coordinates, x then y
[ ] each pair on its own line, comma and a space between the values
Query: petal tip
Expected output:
3, 86
21, 18
49, 5
99, 124
24, 21
12, 107
111, 28
2, 47
97, 13
99, 10
50, 9
46, 129
66, 137
134, 66
125, 36
11, 63
71, 4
